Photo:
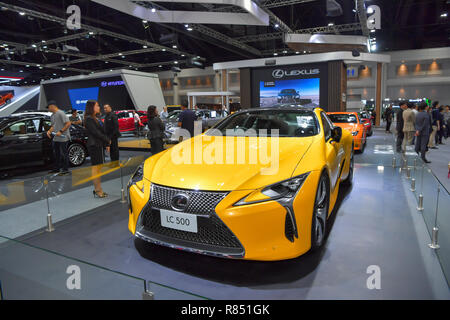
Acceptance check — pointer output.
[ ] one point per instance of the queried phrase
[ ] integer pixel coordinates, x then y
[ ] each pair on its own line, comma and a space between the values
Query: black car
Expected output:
24, 142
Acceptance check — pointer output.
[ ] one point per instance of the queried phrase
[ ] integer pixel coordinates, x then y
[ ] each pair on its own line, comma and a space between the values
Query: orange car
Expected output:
353, 123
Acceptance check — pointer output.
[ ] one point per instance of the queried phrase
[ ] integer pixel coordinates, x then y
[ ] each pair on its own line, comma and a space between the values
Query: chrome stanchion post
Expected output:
420, 205
123, 196
50, 227
408, 173
147, 295
434, 237
413, 184
394, 162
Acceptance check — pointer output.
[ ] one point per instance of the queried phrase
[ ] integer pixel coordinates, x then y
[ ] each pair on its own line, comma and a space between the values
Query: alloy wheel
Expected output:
320, 212
77, 155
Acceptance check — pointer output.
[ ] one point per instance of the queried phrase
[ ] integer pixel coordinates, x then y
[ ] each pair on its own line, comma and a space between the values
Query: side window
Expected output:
18, 128
326, 126
46, 124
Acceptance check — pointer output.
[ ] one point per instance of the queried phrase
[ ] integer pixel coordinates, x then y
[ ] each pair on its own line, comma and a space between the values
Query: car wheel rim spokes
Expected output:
321, 211
76, 155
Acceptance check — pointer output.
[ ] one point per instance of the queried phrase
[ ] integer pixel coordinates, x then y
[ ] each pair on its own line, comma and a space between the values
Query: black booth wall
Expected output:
332, 75
115, 95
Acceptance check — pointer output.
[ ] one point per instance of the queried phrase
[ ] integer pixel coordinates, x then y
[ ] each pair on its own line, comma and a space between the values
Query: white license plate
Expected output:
178, 220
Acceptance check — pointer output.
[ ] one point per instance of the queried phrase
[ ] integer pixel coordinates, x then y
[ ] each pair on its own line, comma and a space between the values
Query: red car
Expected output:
6, 98
126, 119
366, 118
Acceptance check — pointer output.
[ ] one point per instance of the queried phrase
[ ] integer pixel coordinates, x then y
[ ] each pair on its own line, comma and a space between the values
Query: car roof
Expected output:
281, 108
343, 112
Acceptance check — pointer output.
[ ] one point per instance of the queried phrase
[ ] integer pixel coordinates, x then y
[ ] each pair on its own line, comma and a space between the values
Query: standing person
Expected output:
155, 130
112, 131
422, 130
409, 120
75, 118
60, 129
434, 125
447, 122
442, 126
374, 114
137, 123
164, 114
388, 117
400, 124
97, 142
186, 119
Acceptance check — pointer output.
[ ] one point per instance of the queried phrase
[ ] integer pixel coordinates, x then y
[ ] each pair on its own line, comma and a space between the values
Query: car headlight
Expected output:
284, 190
137, 176
355, 133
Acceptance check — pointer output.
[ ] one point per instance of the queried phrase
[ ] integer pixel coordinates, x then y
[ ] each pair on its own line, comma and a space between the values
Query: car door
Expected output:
21, 145
47, 150
334, 151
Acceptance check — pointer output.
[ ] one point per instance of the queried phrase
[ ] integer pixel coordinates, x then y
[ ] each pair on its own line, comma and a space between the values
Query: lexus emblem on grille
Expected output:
179, 202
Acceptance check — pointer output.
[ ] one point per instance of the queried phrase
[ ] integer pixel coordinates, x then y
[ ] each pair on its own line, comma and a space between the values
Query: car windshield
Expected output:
343, 118
173, 115
289, 123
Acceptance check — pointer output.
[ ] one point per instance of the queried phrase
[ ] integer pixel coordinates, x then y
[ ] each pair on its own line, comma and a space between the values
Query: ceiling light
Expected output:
373, 30
176, 62
41, 68
91, 33
186, 26
331, 24
174, 46
354, 10
284, 51
33, 45
145, 47
370, 10
22, 13
182, 55
144, 21
153, 10
276, 25
444, 15
160, 66
296, 52
373, 47
43, 41
27, 66
275, 54
189, 29
38, 65
64, 68
163, 49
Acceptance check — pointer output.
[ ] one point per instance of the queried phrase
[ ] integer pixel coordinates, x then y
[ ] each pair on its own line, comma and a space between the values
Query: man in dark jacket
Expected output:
422, 130
400, 123
112, 131
186, 119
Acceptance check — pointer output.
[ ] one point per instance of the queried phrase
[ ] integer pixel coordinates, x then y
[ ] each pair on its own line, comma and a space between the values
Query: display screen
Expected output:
305, 92
79, 97
303, 84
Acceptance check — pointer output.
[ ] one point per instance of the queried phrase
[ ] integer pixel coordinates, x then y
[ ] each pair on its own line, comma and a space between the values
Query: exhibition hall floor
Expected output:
375, 225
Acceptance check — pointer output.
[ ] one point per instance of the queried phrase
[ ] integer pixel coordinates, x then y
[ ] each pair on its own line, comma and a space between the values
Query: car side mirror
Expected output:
336, 134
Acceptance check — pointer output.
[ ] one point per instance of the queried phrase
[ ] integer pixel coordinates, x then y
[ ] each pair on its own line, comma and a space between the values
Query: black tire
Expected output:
349, 180
77, 154
370, 133
320, 213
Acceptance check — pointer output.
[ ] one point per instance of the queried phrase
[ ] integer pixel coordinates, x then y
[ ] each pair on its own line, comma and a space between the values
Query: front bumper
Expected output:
260, 228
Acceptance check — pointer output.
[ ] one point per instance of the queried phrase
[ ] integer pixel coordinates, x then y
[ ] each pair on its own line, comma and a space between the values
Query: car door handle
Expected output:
23, 137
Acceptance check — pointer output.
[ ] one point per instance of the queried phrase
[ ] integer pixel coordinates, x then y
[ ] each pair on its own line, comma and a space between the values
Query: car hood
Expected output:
348, 126
230, 175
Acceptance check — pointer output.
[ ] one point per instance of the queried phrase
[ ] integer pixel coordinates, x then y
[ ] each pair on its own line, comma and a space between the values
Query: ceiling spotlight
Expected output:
373, 30
41, 68
153, 10
64, 68
373, 47
176, 62
284, 51
144, 46
276, 25
183, 55
163, 49
275, 54
160, 66
22, 13
106, 62
296, 52
354, 10
186, 26
189, 29
33, 45
370, 10
20, 70
444, 15
27, 66
174, 46
144, 21
91, 33
43, 41
331, 24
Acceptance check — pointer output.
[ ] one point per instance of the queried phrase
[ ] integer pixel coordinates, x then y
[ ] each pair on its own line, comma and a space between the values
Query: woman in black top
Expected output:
97, 142
155, 130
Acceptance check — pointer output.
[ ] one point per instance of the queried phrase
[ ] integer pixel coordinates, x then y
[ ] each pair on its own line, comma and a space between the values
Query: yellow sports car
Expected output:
260, 185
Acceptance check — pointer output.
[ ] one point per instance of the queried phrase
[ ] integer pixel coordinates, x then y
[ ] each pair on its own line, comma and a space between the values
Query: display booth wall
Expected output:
316, 85
74, 94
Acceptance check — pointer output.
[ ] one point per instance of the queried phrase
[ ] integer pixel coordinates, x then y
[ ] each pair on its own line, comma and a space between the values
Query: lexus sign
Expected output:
279, 73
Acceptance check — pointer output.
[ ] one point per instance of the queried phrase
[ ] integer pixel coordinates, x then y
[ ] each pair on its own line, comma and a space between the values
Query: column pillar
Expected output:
176, 90
378, 96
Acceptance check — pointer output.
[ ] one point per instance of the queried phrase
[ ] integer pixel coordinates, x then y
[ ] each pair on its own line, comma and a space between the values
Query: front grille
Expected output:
200, 202
212, 235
